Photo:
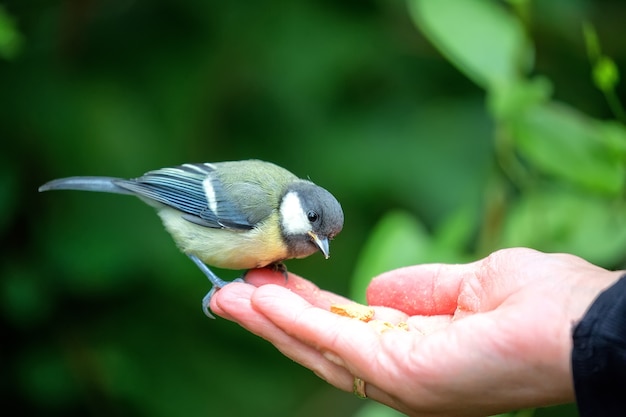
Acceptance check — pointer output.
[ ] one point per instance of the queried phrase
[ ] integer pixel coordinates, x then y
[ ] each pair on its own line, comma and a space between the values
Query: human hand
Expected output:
483, 338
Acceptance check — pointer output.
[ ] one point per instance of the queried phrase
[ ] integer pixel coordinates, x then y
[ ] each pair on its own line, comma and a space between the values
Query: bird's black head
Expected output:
310, 216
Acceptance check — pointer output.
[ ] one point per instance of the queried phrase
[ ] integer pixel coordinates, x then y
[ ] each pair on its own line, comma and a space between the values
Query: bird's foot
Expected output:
275, 267
215, 280
279, 267
206, 301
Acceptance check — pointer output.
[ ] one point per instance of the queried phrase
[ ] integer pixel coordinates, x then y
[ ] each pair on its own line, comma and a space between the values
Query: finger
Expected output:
236, 296
431, 289
357, 347
313, 294
445, 289
303, 287
233, 302
345, 338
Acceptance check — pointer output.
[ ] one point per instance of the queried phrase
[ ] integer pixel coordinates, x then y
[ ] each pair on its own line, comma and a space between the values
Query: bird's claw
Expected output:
206, 301
215, 280
282, 268
220, 283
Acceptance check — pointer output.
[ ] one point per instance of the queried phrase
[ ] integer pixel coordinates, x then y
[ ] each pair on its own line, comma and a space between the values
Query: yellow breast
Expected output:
227, 248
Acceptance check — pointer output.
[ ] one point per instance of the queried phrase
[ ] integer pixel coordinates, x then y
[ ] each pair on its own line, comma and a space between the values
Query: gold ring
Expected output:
358, 388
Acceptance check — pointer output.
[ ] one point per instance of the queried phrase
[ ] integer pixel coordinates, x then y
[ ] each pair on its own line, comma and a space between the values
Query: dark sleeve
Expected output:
599, 355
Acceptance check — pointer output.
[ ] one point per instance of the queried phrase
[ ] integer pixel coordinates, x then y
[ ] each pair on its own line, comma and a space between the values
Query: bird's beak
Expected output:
321, 243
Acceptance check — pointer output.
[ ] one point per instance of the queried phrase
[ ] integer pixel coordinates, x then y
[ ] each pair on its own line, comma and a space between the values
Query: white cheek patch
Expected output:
293, 217
209, 192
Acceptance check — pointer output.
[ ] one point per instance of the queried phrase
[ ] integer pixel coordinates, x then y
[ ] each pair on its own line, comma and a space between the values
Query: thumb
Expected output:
431, 289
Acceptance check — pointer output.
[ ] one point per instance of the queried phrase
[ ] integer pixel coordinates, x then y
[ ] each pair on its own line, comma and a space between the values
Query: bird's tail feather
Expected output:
100, 184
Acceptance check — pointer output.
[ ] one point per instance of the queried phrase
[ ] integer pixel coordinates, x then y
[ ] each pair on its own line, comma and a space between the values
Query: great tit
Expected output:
235, 215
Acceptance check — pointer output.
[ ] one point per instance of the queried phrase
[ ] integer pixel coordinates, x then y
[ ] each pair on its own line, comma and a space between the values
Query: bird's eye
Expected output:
312, 216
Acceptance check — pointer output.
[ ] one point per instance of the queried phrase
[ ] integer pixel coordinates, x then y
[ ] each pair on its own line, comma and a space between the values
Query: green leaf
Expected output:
10, 39
453, 235
605, 71
511, 99
480, 37
605, 74
565, 143
560, 220
592, 43
614, 136
397, 240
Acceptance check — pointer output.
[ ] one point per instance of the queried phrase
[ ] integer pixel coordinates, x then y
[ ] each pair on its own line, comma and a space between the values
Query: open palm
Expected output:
482, 338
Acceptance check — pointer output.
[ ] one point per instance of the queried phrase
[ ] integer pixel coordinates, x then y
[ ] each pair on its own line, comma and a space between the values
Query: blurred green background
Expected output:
446, 129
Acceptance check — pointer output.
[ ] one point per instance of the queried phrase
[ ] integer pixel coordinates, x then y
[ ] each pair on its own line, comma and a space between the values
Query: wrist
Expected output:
599, 349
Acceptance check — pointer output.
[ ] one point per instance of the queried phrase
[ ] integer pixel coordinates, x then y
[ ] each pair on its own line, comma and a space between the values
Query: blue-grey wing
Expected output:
192, 189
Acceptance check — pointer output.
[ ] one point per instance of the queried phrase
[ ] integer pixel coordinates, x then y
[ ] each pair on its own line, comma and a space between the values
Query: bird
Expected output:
237, 215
